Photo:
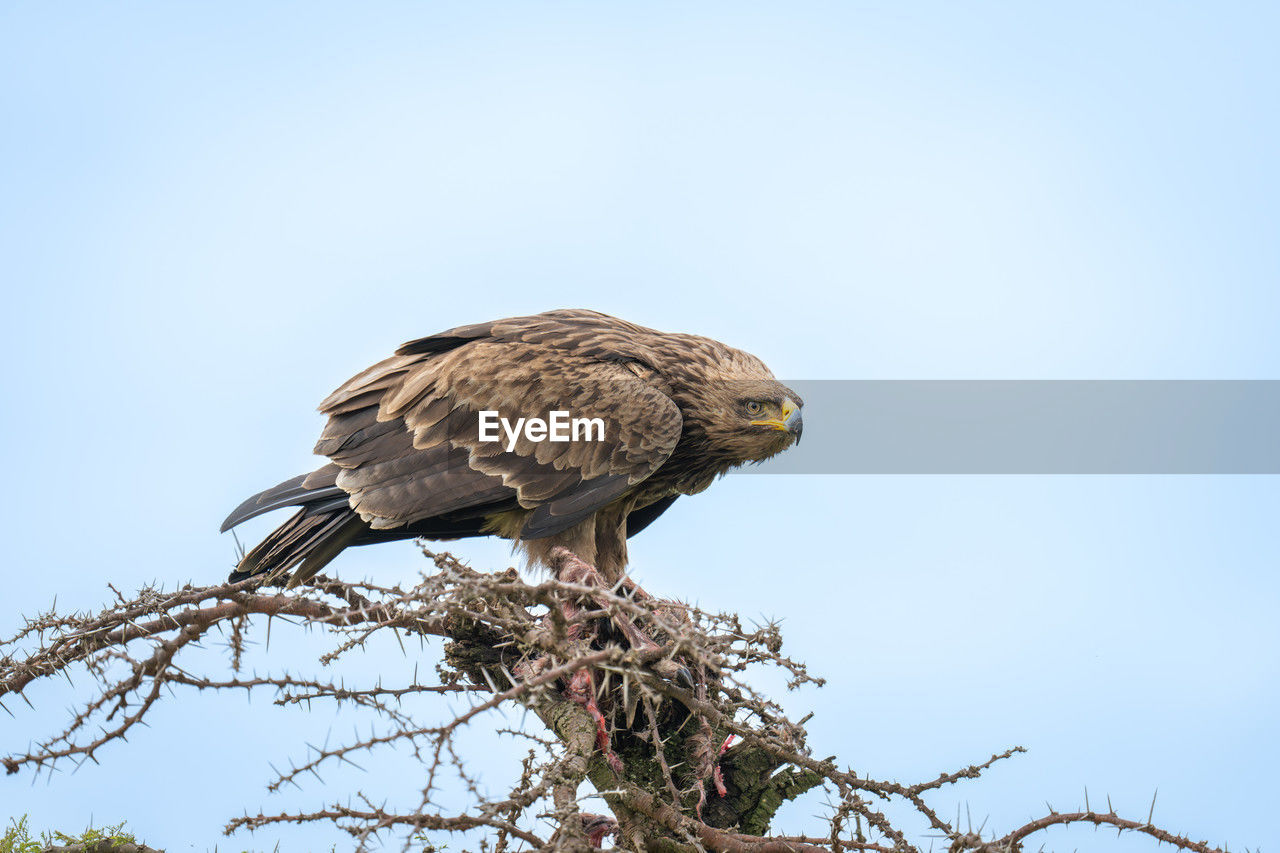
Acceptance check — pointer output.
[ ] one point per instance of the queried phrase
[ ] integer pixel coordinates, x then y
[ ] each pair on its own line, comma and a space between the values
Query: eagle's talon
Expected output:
674, 672
684, 677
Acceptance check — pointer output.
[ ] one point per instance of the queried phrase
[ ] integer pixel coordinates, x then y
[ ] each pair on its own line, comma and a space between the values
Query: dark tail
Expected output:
314, 536
317, 491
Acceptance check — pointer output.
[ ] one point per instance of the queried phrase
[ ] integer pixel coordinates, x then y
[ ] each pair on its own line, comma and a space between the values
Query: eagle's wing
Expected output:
405, 433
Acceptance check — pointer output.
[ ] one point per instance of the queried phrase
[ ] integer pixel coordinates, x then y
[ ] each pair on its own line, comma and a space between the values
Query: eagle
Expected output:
422, 444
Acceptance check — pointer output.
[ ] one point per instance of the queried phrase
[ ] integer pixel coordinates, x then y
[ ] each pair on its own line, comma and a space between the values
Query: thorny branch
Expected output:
654, 747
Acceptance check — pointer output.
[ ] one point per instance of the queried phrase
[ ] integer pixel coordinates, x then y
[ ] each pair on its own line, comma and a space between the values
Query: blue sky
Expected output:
212, 216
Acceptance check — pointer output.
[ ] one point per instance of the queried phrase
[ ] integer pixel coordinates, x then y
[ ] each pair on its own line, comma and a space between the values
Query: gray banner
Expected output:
1035, 427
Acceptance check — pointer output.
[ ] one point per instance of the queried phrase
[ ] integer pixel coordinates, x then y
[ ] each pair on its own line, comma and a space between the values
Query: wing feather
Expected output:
405, 432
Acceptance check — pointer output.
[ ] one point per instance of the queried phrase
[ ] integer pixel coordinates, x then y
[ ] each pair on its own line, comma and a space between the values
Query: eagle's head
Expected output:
745, 419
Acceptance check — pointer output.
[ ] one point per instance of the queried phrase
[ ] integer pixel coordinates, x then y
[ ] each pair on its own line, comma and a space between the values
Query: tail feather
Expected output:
330, 505
325, 524
319, 554
309, 538
303, 490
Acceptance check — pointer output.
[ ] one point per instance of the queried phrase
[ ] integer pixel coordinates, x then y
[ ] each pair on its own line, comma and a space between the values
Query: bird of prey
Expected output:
412, 450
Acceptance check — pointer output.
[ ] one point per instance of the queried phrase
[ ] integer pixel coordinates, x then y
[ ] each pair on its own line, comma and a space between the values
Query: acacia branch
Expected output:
606, 708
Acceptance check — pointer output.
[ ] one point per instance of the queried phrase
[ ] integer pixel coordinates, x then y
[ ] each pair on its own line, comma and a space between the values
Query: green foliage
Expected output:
17, 839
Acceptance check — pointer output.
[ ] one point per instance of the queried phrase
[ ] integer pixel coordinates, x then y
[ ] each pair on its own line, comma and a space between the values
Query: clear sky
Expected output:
210, 216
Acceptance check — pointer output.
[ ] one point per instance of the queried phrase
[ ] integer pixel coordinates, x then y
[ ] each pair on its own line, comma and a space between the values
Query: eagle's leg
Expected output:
570, 568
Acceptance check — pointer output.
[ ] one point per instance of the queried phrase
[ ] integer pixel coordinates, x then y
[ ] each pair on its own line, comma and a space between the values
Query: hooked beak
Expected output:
791, 420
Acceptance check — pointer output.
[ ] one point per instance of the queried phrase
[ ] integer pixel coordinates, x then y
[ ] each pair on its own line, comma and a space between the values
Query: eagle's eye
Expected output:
754, 407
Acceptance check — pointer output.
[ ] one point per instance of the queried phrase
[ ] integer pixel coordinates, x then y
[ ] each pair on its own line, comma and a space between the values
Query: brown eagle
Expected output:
455, 436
